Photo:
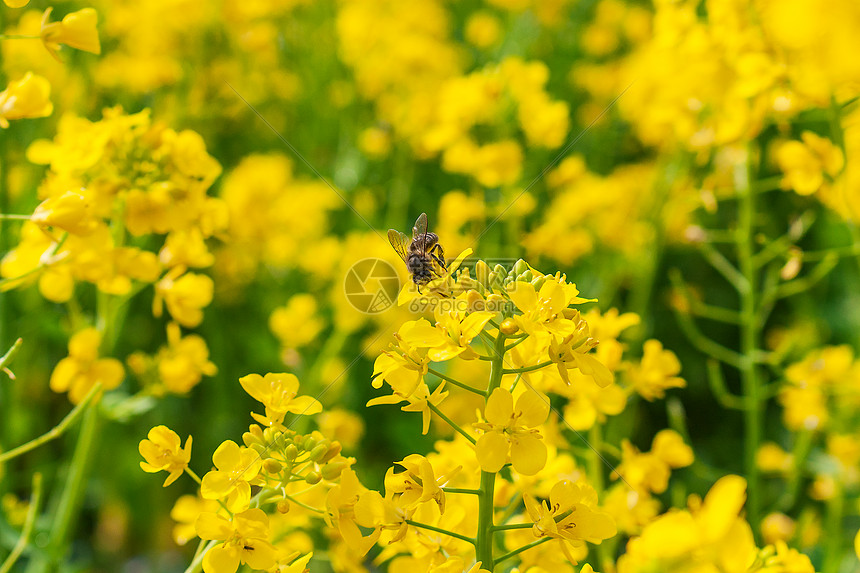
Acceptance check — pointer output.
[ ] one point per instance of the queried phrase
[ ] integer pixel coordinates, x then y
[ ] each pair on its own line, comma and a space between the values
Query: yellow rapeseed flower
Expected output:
279, 394
162, 451
656, 372
297, 323
76, 30
809, 164
70, 212
183, 361
25, 98
483, 29
235, 467
185, 296
83, 368
710, 536
341, 512
245, 541
570, 516
185, 512
511, 432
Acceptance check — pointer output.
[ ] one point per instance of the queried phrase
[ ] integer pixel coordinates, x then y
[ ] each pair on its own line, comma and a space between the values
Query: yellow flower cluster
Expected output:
409, 66
709, 536
279, 460
703, 82
618, 212
824, 385
111, 182
275, 217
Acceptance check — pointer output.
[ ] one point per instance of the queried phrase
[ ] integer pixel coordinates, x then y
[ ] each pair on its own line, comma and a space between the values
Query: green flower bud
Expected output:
319, 451
333, 450
508, 327
482, 272
520, 267
333, 470
291, 452
272, 466
313, 477
259, 448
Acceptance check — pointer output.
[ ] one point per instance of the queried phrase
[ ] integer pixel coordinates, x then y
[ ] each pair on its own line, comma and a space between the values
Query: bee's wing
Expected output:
419, 231
400, 242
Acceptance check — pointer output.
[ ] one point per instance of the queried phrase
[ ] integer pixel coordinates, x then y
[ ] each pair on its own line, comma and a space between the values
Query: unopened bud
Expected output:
258, 447
333, 450
291, 452
520, 267
313, 477
319, 451
508, 327
269, 435
792, 266
272, 466
482, 272
283, 506
334, 469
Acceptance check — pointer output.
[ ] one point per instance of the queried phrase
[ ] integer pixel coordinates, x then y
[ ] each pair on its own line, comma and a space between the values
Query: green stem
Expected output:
304, 505
465, 490
24, 539
802, 445
484, 538
595, 463
833, 527
527, 368
71, 498
197, 563
451, 423
440, 530
748, 291
513, 526
507, 556
595, 477
194, 476
54, 432
7, 358
456, 382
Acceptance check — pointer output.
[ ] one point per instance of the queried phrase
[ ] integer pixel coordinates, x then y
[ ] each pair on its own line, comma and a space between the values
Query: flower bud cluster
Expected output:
287, 455
499, 279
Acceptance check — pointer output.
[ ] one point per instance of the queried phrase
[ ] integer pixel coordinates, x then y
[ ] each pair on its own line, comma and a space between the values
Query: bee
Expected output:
422, 254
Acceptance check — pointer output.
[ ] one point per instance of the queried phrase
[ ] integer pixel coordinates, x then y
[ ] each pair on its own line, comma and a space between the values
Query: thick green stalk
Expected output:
73, 492
484, 538
595, 477
749, 335
833, 528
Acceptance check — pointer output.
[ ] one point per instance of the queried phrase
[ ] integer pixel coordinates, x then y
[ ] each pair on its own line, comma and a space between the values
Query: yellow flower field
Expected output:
430, 287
